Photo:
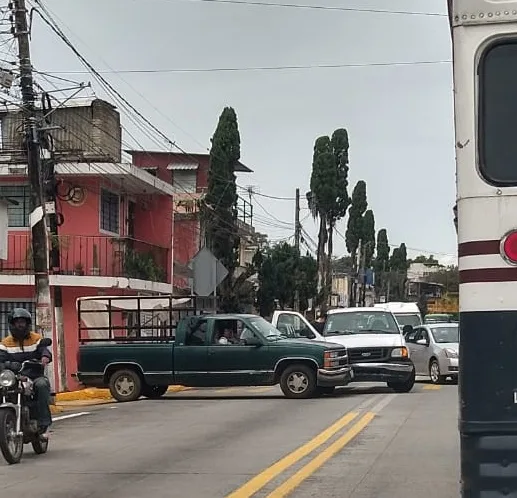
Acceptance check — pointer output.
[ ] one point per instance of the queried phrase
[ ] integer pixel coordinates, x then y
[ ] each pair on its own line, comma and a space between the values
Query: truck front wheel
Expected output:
405, 386
298, 381
125, 385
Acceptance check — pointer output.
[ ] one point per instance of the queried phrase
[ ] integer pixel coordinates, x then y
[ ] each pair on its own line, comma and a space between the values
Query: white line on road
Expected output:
382, 403
70, 415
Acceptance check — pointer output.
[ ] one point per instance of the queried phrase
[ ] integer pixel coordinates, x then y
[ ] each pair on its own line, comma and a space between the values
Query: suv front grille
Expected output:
359, 355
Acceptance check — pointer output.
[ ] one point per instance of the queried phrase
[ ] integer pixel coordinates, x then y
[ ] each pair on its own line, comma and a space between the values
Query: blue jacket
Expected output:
31, 349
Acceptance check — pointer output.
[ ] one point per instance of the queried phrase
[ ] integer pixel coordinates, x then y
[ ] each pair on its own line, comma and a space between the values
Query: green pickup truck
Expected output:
214, 351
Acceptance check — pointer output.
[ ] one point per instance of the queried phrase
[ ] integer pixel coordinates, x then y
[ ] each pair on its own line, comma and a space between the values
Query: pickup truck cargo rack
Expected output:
124, 319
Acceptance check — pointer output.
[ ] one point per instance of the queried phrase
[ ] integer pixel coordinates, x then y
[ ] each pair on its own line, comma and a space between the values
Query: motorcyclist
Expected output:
23, 345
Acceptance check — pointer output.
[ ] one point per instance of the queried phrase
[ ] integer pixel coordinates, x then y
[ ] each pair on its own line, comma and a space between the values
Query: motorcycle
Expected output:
18, 411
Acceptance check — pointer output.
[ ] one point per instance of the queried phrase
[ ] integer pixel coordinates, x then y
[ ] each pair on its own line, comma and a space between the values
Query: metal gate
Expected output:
5, 309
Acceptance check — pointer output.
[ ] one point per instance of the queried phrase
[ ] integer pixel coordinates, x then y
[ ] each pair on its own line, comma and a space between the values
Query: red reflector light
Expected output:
509, 247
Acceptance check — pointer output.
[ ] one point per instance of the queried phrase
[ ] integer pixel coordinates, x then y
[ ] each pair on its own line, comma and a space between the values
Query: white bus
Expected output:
484, 34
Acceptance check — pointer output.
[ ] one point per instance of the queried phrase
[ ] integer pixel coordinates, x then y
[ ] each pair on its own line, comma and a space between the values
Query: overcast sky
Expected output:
399, 117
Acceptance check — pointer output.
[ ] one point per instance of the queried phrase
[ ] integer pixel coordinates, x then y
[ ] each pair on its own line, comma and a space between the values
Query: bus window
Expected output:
498, 113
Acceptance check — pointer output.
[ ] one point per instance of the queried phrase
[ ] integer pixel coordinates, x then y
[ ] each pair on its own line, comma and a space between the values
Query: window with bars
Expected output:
18, 214
110, 211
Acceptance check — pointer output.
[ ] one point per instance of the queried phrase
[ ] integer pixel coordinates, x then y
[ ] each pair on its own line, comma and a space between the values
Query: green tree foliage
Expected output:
342, 265
448, 277
368, 237
426, 260
280, 268
382, 260
398, 260
398, 275
219, 209
328, 198
354, 230
381, 264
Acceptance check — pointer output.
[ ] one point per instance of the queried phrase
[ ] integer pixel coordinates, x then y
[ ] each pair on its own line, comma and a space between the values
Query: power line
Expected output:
320, 7
260, 68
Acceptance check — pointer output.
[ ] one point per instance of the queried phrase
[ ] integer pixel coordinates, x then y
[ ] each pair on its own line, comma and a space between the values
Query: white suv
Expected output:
376, 348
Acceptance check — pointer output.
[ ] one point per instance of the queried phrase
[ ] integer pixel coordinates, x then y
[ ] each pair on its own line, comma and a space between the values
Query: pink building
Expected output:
116, 237
188, 175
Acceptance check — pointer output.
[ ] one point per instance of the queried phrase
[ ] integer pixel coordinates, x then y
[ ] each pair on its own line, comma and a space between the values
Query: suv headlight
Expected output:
402, 352
7, 378
450, 353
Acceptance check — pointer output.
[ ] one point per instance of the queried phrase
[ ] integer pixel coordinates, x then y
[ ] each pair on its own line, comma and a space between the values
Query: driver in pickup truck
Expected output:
23, 345
227, 337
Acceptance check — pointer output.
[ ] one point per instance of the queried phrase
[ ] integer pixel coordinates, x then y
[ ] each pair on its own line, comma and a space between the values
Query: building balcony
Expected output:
100, 256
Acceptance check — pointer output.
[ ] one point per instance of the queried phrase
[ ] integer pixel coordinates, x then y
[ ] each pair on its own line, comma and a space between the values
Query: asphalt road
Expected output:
365, 442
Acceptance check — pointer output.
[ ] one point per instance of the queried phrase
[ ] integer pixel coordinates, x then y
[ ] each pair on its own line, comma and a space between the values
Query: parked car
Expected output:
374, 341
439, 318
209, 351
434, 350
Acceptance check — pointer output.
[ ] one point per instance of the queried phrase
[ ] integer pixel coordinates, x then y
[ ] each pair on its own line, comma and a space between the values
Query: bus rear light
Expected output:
509, 247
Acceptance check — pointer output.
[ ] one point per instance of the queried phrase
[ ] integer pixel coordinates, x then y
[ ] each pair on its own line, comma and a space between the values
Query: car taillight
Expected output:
509, 247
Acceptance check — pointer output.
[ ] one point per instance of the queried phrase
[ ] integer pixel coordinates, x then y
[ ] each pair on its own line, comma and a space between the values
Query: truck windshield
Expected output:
266, 329
405, 319
360, 322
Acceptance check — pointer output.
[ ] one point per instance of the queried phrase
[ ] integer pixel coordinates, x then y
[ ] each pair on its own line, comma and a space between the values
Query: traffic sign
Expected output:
208, 272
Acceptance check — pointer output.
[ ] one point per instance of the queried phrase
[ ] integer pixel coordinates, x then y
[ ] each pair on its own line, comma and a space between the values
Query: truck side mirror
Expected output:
252, 341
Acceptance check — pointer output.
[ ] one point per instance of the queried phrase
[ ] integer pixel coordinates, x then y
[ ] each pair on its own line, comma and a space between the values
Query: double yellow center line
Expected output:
261, 480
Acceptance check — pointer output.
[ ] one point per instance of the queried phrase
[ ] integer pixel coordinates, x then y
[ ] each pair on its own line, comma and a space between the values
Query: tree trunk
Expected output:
328, 265
322, 240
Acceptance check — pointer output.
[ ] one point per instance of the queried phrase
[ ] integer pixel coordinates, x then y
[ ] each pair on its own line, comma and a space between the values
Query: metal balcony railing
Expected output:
85, 255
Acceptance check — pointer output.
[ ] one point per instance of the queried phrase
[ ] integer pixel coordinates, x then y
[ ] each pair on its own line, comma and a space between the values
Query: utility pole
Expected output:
33, 151
363, 272
55, 260
297, 234
357, 266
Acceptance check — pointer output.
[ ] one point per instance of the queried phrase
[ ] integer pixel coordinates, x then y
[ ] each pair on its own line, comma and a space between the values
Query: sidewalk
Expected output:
73, 400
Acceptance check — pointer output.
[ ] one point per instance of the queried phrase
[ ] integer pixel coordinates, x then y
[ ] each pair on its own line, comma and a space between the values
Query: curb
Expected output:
95, 394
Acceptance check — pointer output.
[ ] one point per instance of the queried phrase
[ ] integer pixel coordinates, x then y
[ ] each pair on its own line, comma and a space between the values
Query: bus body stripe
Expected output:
478, 248
488, 275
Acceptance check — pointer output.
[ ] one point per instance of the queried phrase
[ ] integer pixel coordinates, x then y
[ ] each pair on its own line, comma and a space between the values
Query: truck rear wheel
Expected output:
154, 392
125, 385
298, 381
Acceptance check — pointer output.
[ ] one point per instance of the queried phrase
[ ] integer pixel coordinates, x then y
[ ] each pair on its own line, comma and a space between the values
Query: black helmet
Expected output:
20, 313
20, 333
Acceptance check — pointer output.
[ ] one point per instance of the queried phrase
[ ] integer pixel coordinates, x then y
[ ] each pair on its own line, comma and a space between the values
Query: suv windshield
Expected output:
446, 334
361, 322
404, 319
266, 329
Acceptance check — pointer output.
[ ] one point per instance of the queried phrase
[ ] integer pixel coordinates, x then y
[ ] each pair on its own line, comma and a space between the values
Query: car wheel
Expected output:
298, 381
434, 372
125, 385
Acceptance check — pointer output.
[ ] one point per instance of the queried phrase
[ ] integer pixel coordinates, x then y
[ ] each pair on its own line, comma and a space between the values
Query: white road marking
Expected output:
70, 415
